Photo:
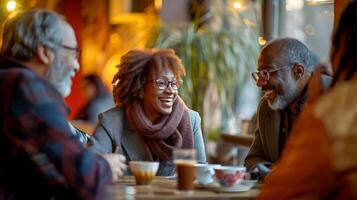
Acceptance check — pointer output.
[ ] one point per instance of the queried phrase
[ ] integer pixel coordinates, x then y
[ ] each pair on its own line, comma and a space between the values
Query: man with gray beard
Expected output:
284, 69
40, 158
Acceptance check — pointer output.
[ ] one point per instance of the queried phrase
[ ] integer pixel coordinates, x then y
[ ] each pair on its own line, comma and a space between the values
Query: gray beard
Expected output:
279, 103
58, 77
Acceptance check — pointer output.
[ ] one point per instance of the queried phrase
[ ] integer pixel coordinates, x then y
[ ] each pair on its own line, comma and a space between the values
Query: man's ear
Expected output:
45, 54
298, 71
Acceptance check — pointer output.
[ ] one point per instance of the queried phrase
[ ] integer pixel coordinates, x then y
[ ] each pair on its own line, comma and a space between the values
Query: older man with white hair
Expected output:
284, 69
40, 158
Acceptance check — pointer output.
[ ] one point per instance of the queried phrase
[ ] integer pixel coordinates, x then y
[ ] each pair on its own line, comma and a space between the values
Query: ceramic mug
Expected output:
205, 173
143, 171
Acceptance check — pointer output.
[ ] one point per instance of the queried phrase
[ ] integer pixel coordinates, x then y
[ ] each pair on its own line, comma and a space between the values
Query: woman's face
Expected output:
156, 101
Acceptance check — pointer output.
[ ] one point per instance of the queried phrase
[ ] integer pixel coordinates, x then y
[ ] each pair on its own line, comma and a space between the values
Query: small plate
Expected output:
243, 186
174, 177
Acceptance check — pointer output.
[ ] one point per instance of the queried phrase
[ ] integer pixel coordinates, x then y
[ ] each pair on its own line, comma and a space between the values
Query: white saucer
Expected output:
174, 177
243, 186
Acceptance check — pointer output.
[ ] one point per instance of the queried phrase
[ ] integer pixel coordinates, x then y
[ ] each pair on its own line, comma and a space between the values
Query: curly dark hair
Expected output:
346, 33
135, 65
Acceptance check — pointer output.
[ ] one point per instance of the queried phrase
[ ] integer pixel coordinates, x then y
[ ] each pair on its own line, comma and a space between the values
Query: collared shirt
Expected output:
39, 156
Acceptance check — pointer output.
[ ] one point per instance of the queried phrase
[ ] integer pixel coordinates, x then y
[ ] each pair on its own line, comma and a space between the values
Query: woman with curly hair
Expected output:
149, 119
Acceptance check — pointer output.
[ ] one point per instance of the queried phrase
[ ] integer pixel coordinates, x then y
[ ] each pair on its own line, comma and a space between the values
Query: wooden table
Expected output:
163, 188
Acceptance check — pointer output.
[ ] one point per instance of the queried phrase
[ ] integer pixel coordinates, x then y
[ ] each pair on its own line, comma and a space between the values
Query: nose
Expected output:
169, 89
261, 82
76, 66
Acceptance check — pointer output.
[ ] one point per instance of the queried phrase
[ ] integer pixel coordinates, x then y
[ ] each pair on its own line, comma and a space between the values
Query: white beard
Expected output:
279, 103
282, 101
59, 76
64, 88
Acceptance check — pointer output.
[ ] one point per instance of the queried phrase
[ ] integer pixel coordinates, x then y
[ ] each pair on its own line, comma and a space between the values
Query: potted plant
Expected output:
218, 55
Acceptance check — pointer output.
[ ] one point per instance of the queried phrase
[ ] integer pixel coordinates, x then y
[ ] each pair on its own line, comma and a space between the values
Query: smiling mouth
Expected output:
167, 101
270, 94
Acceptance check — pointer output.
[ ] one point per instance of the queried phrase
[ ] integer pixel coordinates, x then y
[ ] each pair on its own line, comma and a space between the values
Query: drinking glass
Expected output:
185, 160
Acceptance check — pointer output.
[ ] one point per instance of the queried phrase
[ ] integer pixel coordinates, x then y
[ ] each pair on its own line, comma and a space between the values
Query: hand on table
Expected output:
116, 163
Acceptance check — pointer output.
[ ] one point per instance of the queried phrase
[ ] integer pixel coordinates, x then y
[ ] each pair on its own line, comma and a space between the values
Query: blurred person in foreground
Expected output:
320, 160
150, 119
98, 99
40, 157
284, 68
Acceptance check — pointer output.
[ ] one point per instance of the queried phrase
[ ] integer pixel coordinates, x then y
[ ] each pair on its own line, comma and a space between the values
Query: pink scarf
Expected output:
171, 131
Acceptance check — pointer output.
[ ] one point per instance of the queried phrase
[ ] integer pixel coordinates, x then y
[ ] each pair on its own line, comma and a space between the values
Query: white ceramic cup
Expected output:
205, 173
228, 176
144, 171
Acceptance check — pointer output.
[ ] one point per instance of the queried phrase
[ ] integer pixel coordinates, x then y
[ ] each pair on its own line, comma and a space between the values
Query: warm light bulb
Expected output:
158, 4
11, 5
262, 41
237, 5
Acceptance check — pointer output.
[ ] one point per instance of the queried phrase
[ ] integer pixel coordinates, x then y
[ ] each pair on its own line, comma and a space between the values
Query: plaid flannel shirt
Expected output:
39, 156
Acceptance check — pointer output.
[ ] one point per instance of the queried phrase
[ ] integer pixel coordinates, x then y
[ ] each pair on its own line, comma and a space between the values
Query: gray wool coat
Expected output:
113, 131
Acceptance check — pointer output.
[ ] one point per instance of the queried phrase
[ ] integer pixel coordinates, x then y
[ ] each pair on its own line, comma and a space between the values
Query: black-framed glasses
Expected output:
265, 73
76, 49
163, 84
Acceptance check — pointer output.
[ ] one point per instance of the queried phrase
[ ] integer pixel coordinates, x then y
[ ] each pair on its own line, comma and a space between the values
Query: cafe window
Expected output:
310, 21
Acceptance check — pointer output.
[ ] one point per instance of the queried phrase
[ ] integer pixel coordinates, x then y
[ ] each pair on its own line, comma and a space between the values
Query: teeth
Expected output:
268, 92
167, 99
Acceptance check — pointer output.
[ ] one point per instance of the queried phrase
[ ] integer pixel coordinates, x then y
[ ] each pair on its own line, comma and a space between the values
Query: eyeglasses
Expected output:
76, 49
265, 74
163, 84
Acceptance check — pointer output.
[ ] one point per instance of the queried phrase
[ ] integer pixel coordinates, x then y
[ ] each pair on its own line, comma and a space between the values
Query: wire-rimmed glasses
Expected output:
163, 84
76, 49
265, 73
